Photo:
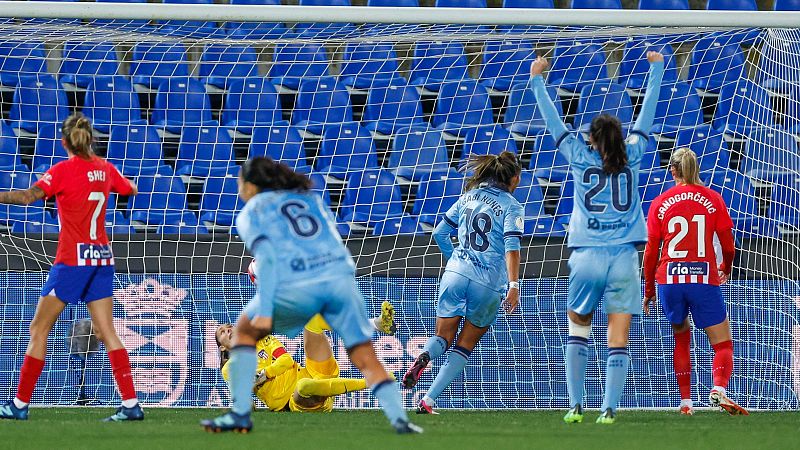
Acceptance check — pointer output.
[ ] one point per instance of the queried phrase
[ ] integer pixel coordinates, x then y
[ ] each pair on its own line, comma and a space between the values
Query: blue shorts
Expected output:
611, 272
461, 297
337, 299
704, 301
73, 284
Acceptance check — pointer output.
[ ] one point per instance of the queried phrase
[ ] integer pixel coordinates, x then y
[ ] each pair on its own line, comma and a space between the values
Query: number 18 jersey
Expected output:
490, 223
687, 219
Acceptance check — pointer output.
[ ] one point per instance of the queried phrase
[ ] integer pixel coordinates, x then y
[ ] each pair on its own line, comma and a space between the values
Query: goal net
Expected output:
381, 116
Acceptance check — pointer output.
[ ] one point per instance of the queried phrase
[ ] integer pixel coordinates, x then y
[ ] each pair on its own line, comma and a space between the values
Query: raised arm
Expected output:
557, 128
645, 120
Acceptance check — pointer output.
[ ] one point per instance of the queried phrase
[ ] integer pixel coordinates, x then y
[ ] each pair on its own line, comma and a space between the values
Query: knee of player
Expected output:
305, 387
577, 329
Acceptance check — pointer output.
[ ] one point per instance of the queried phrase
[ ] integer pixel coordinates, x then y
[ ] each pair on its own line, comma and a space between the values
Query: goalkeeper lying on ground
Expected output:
283, 384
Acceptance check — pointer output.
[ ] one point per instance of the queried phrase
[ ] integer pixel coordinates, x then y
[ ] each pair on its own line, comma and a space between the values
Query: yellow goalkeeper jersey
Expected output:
281, 370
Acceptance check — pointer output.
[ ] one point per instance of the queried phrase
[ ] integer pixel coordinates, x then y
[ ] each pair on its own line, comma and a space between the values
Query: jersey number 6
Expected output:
303, 224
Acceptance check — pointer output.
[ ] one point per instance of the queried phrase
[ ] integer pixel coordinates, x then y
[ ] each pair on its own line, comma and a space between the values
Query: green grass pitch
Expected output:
68, 428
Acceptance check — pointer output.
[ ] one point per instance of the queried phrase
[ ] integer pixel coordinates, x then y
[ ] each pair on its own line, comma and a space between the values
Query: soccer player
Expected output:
304, 269
686, 219
489, 221
83, 270
606, 224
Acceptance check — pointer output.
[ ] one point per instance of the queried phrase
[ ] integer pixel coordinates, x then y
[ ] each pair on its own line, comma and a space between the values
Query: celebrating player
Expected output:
686, 219
83, 270
304, 269
489, 221
606, 224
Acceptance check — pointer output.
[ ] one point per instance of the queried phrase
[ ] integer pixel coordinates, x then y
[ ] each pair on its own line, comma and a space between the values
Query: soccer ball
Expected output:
251, 270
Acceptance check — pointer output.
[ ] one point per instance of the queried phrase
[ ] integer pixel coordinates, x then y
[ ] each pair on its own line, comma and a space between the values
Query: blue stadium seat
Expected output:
9, 153
462, 105
321, 103
732, 5
190, 28
483, 29
161, 199
111, 101
123, 24
565, 202
280, 142
770, 152
679, 107
787, 5
575, 66
602, 98
11, 180
778, 67
397, 225
506, 63
487, 140
651, 160
393, 3
546, 161
790, 117
418, 152
221, 65
436, 193
135, 149
742, 107
522, 116
651, 185
81, 63
186, 225
547, 4
36, 224
461, 3
117, 223
180, 102
346, 149
712, 151
371, 196
664, 4
634, 65
529, 194
38, 100
20, 59
741, 198
48, 150
369, 65
319, 186
596, 4
204, 151
716, 62
251, 102
294, 62
154, 63
784, 205
220, 202
391, 108
320, 30
435, 63
256, 30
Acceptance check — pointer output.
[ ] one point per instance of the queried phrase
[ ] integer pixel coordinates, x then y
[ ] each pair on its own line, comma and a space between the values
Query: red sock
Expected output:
28, 376
722, 366
121, 366
682, 362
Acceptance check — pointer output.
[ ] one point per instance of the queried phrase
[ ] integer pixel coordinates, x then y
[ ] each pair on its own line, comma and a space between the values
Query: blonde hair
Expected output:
500, 168
684, 161
77, 132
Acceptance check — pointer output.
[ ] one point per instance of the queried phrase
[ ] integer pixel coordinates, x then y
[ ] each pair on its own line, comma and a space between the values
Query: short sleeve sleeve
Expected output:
119, 183
50, 182
569, 145
513, 227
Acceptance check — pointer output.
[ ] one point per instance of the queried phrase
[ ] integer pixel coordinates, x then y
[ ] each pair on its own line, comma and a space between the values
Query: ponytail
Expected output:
499, 169
77, 133
268, 174
684, 161
606, 133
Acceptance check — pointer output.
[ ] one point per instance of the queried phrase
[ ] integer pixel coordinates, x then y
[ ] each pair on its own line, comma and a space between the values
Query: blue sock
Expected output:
577, 355
389, 397
616, 373
435, 347
456, 361
242, 372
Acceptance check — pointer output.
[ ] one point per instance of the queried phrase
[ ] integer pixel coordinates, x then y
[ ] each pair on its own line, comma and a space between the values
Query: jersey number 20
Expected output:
620, 204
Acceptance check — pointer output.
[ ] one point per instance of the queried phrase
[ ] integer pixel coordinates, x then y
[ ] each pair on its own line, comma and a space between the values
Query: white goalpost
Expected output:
380, 107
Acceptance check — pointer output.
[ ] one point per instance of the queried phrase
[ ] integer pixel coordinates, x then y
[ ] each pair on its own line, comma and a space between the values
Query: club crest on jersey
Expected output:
519, 222
95, 255
156, 338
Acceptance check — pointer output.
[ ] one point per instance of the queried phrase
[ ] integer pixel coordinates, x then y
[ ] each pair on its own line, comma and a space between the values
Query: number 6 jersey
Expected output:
81, 188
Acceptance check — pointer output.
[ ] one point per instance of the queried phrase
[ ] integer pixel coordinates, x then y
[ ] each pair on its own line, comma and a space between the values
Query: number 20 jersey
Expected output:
607, 209
301, 233
490, 223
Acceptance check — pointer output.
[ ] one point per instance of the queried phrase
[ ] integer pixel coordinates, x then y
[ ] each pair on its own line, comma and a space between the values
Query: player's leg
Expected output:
623, 295
674, 303
47, 311
587, 278
450, 308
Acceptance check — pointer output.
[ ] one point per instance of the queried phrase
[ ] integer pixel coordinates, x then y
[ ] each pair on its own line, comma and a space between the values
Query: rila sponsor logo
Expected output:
687, 268
89, 251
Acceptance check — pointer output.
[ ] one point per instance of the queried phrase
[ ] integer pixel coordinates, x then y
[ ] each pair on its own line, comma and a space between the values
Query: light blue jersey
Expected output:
607, 208
303, 266
490, 223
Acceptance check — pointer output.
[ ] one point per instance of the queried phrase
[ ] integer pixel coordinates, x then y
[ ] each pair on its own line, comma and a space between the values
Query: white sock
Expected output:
687, 402
130, 403
429, 401
19, 403
720, 389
